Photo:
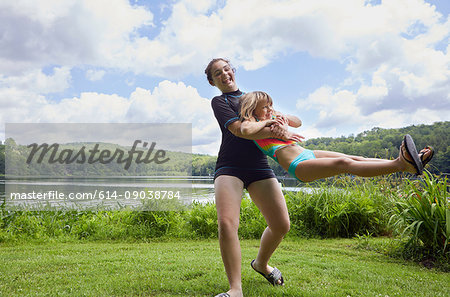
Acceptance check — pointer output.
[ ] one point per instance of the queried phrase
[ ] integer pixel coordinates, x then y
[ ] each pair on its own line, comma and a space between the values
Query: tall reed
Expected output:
341, 207
422, 212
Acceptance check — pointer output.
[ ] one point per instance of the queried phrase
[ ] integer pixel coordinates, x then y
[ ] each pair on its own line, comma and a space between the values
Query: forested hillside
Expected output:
92, 159
383, 143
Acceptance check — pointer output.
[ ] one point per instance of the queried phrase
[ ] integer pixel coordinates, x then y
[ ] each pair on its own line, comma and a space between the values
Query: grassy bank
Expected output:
311, 267
417, 211
340, 208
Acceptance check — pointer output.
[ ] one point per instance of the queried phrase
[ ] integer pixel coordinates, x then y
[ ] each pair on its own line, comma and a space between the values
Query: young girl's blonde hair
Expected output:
249, 102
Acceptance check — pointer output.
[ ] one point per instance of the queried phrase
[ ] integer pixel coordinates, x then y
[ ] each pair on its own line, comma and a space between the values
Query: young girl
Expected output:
307, 165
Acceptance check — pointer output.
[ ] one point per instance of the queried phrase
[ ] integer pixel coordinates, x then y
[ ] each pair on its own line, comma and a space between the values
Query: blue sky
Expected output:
342, 66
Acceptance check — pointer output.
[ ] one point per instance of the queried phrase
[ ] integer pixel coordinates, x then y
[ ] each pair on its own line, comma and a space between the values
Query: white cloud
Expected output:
36, 81
391, 99
176, 103
169, 102
252, 33
39, 33
334, 106
396, 53
21, 97
398, 72
94, 75
90, 107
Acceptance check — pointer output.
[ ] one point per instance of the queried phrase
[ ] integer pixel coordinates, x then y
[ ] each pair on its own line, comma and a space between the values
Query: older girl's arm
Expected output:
249, 127
263, 132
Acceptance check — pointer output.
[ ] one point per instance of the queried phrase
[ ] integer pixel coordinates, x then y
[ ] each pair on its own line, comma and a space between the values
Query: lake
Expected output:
115, 192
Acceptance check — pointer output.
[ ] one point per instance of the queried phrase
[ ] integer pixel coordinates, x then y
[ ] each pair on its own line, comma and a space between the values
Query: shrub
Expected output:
252, 223
156, 223
202, 220
344, 209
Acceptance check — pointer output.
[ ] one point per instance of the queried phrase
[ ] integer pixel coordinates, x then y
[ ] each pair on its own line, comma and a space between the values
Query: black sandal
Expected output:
273, 277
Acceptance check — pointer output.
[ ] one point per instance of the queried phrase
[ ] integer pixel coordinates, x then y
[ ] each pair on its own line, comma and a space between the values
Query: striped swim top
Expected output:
269, 146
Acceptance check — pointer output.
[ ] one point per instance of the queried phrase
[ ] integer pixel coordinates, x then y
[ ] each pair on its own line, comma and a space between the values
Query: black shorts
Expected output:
246, 175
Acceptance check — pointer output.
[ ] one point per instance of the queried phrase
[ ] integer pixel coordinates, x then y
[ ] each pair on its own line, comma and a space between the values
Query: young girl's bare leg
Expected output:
330, 164
326, 167
329, 154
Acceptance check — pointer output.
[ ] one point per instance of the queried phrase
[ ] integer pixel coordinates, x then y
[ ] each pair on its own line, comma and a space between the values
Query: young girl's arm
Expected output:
294, 121
288, 119
281, 126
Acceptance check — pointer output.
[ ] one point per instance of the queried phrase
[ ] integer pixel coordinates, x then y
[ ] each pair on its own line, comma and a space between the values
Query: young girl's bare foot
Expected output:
407, 160
426, 155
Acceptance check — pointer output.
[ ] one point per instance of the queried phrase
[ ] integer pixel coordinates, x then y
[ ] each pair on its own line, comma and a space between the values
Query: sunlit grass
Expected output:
331, 267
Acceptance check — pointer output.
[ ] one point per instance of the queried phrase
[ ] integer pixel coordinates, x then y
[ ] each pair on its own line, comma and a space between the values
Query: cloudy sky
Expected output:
341, 66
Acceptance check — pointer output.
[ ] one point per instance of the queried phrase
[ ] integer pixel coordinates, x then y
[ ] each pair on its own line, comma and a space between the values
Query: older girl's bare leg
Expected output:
228, 193
267, 196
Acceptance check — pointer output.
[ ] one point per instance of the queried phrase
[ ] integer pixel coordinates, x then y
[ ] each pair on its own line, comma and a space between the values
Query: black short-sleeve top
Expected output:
235, 151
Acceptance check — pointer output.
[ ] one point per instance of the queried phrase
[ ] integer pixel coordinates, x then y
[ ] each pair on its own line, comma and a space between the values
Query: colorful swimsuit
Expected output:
269, 147
305, 155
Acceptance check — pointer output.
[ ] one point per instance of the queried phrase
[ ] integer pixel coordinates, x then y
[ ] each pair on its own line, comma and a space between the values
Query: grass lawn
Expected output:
194, 268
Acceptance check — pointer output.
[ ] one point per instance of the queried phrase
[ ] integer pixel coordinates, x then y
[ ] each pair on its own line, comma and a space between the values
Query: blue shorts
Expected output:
305, 155
247, 176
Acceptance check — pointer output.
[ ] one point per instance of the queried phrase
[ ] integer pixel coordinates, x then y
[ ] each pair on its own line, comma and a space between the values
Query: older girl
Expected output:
240, 164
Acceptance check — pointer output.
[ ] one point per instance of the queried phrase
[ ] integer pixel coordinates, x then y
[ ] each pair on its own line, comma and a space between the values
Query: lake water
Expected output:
115, 191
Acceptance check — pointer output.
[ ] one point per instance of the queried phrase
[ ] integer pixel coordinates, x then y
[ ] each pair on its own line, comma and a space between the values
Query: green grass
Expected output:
331, 267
